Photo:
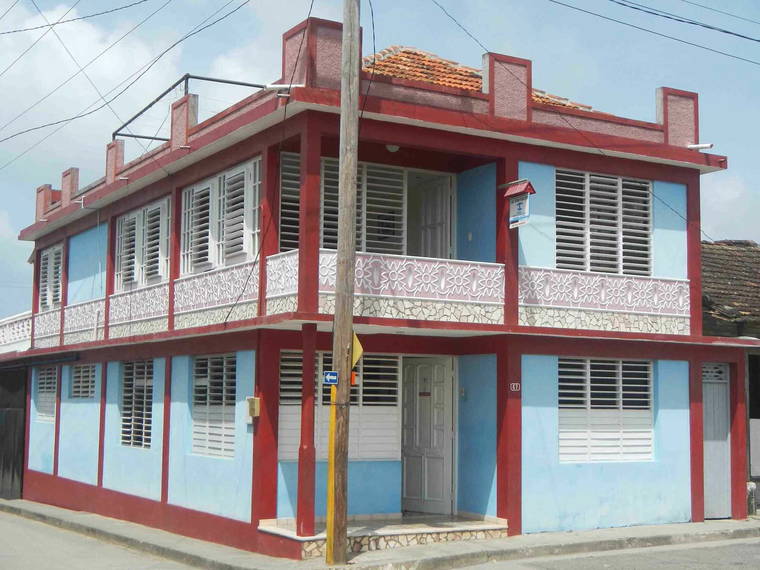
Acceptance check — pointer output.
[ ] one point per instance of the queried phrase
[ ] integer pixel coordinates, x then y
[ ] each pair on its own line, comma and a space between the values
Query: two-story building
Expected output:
548, 377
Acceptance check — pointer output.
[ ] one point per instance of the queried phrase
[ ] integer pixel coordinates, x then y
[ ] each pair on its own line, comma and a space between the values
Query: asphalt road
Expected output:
712, 555
27, 545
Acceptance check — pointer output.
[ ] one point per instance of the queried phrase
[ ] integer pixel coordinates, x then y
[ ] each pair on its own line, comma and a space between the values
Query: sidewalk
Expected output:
440, 555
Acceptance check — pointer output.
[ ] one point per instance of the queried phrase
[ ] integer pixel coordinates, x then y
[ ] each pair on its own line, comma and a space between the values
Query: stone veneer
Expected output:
217, 315
138, 328
532, 316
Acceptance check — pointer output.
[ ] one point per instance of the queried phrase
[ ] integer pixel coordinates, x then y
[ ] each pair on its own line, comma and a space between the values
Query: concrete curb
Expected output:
413, 558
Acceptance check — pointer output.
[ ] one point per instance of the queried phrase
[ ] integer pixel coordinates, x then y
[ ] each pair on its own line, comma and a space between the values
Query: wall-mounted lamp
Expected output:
125, 178
699, 146
392, 147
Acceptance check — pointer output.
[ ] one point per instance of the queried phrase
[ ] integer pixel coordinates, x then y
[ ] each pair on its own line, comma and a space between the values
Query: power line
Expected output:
122, 82
18, 31
722, 12
35, 42
700, 46
8, 9
372, 73
676, 18
93, 60
85, 114
576, 129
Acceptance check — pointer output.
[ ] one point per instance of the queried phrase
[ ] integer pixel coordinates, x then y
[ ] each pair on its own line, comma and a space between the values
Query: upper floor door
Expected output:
430, 215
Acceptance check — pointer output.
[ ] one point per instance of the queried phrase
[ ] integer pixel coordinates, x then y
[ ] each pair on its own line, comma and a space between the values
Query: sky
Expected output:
613, 68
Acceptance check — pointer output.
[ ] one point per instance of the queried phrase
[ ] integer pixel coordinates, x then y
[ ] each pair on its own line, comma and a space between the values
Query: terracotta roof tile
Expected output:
417, 65
731, 279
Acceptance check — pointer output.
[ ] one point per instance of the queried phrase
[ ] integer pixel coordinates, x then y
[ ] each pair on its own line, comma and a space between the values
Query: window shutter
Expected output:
636, 222
126, 252
44, 278
253, 172
83, 381
196, 235
47, 387
214, 399
571, 220
56, 274
232, 201
604, 219
605, 410
380, 379
384, 219
290, 193
154, 254
291, 372
329, 223
137, 403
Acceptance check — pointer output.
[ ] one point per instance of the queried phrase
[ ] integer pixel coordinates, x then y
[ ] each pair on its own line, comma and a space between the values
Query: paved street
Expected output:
712, 555
26, 544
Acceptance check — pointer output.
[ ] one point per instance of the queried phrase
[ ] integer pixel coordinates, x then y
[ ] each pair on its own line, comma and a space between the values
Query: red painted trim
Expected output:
174, 249
167, 430
507, 241
27, 419
110, 260
309, 219
57, 435
306, 451
267, 387
513, 420
35, 294
597, 116
70, 494
738, 441
694, 254
502, 432
64, 286
102, 419
270, 218
696, 441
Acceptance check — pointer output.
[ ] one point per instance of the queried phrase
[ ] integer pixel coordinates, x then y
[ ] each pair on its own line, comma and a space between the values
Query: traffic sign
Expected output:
330, 378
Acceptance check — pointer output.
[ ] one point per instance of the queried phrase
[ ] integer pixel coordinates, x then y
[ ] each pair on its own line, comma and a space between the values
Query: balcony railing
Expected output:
16, 332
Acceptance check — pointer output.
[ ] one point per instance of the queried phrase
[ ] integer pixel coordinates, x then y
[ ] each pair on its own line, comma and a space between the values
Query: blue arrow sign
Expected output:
330, 378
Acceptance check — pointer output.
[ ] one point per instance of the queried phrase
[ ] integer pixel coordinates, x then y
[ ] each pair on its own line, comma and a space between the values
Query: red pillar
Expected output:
270, 215
306, 453
694, 253
509, 436
697, 441
309, 219
264, 496
175, 231
35, 301
738, 440
102, 427
507, 240
64, 291
57, 435
167, 430
110, 256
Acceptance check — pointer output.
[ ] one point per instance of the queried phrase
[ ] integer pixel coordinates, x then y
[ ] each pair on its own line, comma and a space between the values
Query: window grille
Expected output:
142, 246
47, 388
213, 412
136, 403
603, 223
51, 265
83, 381
605, 410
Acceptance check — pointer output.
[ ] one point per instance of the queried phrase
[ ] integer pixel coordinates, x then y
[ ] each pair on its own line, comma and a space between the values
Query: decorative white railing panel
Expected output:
47, 329
235, 284
16, 332
603, 291
141, 311
84, 322
396, 286
282, 282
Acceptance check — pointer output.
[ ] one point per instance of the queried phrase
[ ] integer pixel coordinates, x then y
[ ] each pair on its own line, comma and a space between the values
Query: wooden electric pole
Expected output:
337, 471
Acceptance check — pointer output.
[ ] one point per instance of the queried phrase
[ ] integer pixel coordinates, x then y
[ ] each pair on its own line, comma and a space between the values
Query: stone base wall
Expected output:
602, 320
216, 315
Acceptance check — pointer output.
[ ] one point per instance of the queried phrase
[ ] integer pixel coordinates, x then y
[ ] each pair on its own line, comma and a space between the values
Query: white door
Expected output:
427, 441
435, 226
717, 442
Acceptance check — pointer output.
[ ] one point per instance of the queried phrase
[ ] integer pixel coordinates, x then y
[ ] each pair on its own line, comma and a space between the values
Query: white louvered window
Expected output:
605, 410
47, 388
142, 246
213, 412
603, 223
51, 267
82, 381
136, 403
380, 206
220, 219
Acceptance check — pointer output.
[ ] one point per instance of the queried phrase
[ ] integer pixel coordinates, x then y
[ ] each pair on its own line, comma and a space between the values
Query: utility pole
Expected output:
340, 395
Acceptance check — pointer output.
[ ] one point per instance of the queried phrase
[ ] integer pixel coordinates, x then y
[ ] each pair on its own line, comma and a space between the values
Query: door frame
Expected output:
452, 207
453, 360
728, 384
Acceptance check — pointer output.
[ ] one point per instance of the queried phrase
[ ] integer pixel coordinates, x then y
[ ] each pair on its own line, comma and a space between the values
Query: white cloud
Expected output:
729, 208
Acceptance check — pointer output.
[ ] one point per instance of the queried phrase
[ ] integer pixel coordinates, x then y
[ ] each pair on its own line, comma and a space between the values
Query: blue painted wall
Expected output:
476, 485
538, 236
374, 487
574, 496
133, 470
41, 435
87, 265
669, 248
217, 485
80, 427
476, 214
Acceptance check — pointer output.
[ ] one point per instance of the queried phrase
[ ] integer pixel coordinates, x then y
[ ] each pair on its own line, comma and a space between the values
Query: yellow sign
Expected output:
356, 351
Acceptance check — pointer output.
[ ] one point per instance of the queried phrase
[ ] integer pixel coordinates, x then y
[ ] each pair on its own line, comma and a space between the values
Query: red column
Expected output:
64, 287
175, 231
27, 419
264, 496
309, 219
507, 240
110, 256
102, 427
697, 441
57, 435
694, 253
306, 453
270, 216
738, 440
35, 299
167, 429
509, 437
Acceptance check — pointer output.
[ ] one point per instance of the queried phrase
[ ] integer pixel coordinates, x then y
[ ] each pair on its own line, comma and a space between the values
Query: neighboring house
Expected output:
731, 307
543, 378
